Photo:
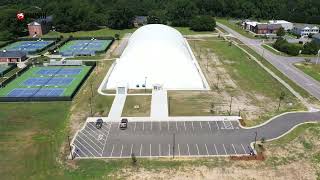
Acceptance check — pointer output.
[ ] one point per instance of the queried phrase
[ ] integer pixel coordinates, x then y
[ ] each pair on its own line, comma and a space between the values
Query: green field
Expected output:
312, 70
31, 73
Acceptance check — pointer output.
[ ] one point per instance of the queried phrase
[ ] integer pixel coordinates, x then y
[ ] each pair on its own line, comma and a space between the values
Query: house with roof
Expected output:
285, 24
305, 29
40, 26
12, 56
316, 38
265, 28
140, 21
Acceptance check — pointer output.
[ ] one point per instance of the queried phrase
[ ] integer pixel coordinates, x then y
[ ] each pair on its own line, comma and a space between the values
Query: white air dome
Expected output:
157, 54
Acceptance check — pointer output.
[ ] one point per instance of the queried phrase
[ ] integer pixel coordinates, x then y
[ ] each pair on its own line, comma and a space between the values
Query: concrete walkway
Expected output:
117, 106
159, 104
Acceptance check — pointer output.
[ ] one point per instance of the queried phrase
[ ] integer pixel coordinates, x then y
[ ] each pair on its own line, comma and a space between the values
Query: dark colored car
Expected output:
123, 124
99, 123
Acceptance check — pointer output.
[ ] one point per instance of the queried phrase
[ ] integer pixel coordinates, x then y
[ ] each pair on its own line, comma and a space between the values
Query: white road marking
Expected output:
224, 125
200, 124
150, 150
184, 123
92, 129
142, 126
151, 126
90, 144
159, 149
121, 150
112, 150
169, 148
131, 149
77, 148
188, 149
217, 125
206, 149
179, 149
105, 142
168, 126
160, 125
177, 125
135, 125
224, 149
209, 126
216, 149
91, 135
91, 140
234, 149
198, 149
244, 149
140, 149
86, 147
192, 126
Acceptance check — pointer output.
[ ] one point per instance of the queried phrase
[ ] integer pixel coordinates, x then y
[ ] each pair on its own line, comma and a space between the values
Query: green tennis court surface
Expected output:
55, 81
84, 47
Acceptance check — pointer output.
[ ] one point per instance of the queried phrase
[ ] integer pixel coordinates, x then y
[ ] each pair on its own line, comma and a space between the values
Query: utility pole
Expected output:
145, 84
230, 106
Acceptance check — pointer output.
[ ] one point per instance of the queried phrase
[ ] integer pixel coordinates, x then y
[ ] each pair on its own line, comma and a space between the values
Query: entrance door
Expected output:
121, 90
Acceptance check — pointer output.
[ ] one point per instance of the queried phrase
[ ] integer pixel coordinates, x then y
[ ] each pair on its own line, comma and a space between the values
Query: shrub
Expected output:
203, 23
282, 45
310, 48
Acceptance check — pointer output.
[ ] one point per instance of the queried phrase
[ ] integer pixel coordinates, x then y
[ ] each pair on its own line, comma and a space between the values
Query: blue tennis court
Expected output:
47, 81
28, 46
36, 92
59, 71
84, 47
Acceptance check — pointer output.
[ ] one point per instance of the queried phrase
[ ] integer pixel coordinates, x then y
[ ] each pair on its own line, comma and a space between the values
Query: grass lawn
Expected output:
144, 103
312, 70
187, 31
236, 28
273, 50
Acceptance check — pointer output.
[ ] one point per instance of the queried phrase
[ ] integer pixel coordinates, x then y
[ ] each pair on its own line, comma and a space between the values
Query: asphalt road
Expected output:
283, 64
179, 138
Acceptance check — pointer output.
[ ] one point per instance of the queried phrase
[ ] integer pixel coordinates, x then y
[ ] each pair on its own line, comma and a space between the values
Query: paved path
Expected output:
117, 106
159, 104
284, 64
180, 138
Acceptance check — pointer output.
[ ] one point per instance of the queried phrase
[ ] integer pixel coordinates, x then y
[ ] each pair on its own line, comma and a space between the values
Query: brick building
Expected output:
12, 56
40, 26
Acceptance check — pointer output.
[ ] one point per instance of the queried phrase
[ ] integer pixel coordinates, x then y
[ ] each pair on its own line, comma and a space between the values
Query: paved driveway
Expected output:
179, 138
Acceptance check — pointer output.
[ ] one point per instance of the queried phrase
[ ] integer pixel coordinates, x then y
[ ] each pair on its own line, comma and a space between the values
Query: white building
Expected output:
305, 29
249, 25
285, 24
157, 55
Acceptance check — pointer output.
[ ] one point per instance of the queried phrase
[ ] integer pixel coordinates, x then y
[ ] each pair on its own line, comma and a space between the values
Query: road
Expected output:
180, 138
283, 64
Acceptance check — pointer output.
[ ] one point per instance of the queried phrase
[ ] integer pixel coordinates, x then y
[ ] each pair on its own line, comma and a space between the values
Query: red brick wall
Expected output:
3, 59
35, 29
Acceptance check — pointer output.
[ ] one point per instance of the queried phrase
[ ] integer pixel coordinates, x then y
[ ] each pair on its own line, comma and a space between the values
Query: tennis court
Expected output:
84, 47
52, 81
27, 46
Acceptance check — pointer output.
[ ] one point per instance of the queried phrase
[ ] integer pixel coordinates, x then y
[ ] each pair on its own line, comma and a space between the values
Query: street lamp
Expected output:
145, 84
318, 56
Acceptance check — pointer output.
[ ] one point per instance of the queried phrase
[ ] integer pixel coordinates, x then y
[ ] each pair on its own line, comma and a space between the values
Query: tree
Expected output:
203, 23
157, 17
180, 12
117, 36
310, 48
281, 32
120, 18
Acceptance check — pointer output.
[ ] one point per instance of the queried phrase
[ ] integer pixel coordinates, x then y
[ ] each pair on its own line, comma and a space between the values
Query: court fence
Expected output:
13, 76
11, 67
46, 99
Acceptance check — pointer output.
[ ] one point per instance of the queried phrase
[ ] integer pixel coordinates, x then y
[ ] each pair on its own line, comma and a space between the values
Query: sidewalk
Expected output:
159, 104
117, 107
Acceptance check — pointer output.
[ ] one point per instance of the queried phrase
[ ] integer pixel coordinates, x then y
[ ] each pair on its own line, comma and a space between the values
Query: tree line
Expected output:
75, 15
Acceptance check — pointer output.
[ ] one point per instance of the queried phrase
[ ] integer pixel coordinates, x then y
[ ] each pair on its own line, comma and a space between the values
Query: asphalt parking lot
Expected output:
160, 139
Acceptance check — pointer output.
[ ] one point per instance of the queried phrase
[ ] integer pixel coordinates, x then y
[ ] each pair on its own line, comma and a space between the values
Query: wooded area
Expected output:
75, 15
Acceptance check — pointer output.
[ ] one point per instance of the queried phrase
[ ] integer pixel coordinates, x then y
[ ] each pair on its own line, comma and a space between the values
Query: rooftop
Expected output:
12, 54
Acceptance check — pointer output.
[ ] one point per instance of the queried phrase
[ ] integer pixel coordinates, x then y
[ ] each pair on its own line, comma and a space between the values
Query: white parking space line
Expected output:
112, 150
234, 149
185, 128
142, 126
121, 150
168, 126
159, 149
209, 126
86, 147
169, 149
135, 125
90, 144
188, 149
96, 144
224, 125
200, 124
177, 125
151, 126
89, 124
140, 149
160, 125
206, 149
231, 125
217, 125
131, 149
179, 149
105, 142
244, 149
198, 149
215, 147
77, 148
192, 126
224, 149
98, 140
150, 150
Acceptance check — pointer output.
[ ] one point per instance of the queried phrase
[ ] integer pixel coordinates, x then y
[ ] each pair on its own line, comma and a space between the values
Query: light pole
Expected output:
318, 57
145, 84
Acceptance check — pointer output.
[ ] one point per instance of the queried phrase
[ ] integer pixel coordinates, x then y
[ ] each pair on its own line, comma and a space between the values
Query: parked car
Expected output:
123, 124
99, 123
